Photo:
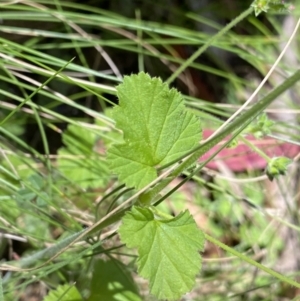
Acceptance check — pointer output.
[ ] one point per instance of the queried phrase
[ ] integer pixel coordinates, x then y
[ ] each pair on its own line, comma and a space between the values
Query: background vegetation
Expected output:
60, 62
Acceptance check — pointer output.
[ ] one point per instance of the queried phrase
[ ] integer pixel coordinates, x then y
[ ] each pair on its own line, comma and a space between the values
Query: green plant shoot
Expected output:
157, 129
270, 6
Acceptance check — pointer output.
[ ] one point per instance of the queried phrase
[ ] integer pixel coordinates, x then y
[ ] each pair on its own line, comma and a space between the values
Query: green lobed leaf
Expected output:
157, 129
26, 195
167, 248
64, 293
78, 160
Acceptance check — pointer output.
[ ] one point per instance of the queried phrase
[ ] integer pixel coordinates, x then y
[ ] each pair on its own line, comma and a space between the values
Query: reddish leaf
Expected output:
242, 157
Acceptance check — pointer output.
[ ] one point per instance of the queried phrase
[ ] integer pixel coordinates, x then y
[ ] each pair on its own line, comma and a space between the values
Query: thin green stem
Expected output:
141, 63
35, 92
1, 289
252, 262
240, 122
160, 214
209, 43
234, 128
106, 197
255, 148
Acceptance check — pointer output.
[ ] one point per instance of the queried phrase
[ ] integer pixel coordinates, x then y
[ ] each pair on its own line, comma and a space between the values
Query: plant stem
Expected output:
1, 289
233, 23
234, 128
255, 148
252, 262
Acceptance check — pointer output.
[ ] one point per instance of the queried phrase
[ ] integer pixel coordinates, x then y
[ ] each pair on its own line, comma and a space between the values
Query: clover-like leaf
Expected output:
168, 250
157, 129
